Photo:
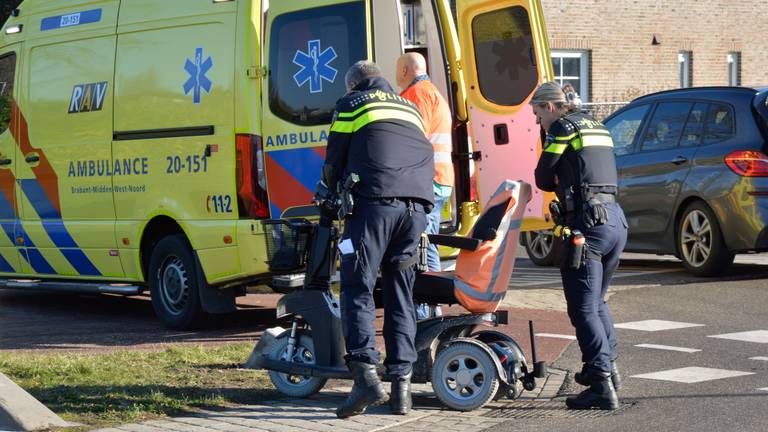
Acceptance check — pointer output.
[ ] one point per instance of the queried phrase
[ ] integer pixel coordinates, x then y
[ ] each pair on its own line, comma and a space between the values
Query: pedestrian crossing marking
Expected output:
668, 348
756, 336
655, 325
556, 336
692, 375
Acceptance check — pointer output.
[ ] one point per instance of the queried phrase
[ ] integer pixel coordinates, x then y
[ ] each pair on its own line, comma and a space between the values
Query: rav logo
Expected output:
88, 97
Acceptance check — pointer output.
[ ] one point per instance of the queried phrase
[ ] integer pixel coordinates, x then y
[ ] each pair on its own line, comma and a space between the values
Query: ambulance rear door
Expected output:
10, 259
505, 56
309, 46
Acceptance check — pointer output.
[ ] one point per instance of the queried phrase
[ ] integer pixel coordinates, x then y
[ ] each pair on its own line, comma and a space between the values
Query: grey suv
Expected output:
693, 176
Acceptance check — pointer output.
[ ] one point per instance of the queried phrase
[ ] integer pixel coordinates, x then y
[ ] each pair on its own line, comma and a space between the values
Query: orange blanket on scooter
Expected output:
482, 276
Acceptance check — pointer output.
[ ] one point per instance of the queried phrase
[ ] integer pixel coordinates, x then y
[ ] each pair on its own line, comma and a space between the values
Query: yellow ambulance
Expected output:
143, 141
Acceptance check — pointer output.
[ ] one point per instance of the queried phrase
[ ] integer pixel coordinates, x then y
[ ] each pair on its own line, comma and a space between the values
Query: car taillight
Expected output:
250, 180
748, 163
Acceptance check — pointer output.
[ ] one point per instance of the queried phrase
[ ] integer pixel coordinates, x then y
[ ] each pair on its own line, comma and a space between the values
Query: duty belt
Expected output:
604, 198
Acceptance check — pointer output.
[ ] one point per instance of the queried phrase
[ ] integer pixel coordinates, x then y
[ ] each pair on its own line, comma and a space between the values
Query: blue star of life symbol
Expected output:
315, 66
197, 71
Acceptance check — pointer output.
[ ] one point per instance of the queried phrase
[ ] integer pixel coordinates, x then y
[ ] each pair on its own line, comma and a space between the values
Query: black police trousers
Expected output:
383, 233
585, 289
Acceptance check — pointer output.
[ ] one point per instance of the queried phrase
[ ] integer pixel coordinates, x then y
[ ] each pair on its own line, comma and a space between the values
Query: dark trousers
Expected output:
585, 290
383, 233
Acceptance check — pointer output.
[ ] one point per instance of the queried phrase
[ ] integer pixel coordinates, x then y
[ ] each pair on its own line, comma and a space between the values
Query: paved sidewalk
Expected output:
316, 414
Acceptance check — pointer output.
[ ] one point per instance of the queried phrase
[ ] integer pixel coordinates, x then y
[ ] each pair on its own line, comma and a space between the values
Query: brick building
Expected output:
617, 50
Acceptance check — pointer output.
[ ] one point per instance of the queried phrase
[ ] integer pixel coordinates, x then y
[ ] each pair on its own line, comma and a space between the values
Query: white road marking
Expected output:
655, 325
756, 336
690, 375
759, 358
668, 348
556, 336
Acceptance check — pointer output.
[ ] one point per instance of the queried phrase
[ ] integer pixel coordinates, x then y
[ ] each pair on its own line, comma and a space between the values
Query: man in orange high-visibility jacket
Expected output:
412, 78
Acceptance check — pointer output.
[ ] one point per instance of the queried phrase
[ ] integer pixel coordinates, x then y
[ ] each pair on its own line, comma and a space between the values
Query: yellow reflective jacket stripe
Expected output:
350, 126
566, 138
556, 148
377, 105
592, 141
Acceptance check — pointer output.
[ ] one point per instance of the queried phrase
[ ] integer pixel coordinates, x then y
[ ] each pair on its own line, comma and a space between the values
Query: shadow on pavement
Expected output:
55, 321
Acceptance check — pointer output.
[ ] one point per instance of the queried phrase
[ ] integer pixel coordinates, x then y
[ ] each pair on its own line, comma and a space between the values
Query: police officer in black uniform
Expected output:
379, 136
578, 164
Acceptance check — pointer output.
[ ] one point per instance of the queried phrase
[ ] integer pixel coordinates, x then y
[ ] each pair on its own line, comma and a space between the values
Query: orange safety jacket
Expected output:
482, 276
437, 125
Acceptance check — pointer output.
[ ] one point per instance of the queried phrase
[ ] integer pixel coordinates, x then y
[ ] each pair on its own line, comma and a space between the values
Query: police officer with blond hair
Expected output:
577, 163
379, 136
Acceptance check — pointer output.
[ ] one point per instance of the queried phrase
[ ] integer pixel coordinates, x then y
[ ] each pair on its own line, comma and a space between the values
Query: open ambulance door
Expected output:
309, 45
505, 56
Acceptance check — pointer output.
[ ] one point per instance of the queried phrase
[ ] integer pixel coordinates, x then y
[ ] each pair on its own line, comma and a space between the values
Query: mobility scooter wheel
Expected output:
464, 376
303, 353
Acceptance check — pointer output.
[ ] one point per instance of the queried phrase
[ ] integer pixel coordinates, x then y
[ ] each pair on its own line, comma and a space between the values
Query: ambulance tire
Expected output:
175, 281
542, 247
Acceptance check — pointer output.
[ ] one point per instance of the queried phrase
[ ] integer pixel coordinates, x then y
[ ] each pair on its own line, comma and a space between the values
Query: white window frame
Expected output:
583, 77
734, 68
684, 62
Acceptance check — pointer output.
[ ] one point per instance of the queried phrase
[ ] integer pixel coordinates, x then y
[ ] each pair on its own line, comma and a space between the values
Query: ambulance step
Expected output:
71, 287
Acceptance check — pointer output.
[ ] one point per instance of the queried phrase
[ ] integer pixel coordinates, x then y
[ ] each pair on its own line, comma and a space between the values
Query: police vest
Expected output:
578, 151
386, 146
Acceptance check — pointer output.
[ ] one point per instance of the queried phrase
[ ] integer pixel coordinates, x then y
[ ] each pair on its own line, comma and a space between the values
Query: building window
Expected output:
572, 67
734, 68
685, 59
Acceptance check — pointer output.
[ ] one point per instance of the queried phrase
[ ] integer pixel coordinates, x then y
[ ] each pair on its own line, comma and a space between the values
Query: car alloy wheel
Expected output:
696, 238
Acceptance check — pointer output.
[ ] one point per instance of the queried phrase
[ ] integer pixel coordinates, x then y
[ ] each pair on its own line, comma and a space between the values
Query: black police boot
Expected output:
581, 377
400, 397
366, 391
600, 394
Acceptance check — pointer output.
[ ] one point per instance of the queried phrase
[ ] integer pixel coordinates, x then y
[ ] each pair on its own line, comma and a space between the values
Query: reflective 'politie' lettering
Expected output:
88, 97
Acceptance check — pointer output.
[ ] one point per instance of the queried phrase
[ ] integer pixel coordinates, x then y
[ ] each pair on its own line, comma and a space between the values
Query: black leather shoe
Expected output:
580, 377
600, 394
366, 391
400, 401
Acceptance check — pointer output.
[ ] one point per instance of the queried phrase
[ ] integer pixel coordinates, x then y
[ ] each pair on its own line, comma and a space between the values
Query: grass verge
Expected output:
130, 386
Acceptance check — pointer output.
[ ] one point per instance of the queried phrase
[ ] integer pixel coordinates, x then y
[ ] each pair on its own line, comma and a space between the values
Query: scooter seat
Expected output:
434, 288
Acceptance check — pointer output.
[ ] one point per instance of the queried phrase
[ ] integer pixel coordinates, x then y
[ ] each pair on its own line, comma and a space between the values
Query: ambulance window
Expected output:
505, 55
7, 72
310, 51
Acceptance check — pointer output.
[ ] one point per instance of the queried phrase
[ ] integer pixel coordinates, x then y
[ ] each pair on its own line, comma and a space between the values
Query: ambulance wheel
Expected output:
541, 247
175, 282
303, 353
464, 376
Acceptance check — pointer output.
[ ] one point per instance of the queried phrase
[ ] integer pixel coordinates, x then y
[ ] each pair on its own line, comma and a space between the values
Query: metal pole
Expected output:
533, 341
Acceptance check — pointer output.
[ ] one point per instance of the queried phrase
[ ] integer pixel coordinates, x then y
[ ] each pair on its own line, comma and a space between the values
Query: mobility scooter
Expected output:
467, 365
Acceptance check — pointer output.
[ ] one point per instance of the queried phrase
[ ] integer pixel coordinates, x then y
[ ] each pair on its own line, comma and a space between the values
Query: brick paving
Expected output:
317, 414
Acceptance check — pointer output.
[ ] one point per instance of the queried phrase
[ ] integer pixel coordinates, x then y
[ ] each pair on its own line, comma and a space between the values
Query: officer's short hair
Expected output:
359, 71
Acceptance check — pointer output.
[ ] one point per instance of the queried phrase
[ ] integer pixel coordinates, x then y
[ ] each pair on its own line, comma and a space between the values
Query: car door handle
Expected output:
679, 160
32, 158
5, 161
